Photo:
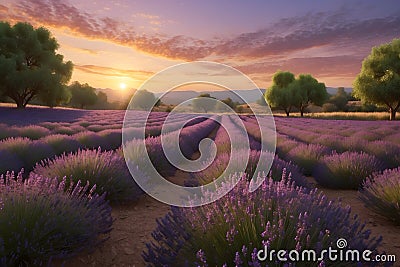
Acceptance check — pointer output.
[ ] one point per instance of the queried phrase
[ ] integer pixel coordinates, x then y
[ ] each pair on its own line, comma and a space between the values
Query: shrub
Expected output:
307, 156
33, 132
105, 169
30, 152
345, 171
62, 143
381, 193
230, 231
40, 221
112, 138
9, 161
282, 148
89, 139
280, 167
387, 152
63, 130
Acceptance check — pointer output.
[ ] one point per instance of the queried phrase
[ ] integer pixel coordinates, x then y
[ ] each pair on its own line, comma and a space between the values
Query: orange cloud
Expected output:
106, 71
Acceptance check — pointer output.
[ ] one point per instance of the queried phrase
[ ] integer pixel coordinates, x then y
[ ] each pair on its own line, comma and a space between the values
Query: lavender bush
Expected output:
230, 231
381, 193
62, 143
345, 171
33, 132
105, 169
387, 152
41, 221
28, 151
306, 156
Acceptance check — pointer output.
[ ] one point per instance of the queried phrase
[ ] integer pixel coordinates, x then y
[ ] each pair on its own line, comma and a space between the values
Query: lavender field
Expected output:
67, 195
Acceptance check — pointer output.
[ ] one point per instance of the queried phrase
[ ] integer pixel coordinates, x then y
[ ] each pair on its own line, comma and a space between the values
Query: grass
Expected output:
342, 115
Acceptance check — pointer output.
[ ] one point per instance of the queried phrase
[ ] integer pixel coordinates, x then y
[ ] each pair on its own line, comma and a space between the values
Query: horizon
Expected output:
119, 45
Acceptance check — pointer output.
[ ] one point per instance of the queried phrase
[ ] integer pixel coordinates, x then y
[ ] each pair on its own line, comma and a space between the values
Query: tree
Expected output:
340, 99
30, 66
204, 102
280, 94
222, 105
379, 79
144, 100
307, 90
82, 95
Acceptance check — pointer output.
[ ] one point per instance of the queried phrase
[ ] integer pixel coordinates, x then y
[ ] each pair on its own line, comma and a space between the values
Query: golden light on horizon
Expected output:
122, 86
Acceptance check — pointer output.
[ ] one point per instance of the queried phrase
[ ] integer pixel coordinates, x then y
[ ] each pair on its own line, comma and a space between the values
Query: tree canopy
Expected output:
204, 103
144, 100
379, 79
287, 92
30, 66
82, 95
307, 90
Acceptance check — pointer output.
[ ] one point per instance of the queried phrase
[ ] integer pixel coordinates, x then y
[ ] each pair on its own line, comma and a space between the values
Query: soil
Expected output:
134, 223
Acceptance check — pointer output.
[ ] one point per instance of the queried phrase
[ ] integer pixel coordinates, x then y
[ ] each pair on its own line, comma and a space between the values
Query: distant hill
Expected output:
176, 97
333, 90
116, 95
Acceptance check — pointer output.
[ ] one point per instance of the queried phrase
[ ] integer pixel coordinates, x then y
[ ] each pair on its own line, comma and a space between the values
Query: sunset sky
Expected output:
114, 42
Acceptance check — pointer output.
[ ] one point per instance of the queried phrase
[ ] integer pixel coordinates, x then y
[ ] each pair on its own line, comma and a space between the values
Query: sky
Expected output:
113, 43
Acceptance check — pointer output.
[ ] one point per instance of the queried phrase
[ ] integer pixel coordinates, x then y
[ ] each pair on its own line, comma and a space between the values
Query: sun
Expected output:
122, 86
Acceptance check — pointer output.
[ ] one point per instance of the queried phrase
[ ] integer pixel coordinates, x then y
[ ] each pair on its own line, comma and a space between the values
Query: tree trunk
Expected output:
287, 112
302, 111
392, 114
20, 103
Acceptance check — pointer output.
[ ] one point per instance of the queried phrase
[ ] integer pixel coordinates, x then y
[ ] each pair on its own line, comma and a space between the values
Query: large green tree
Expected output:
82, 95
287, 92
280, 94
30, 66
307, 90
379, 79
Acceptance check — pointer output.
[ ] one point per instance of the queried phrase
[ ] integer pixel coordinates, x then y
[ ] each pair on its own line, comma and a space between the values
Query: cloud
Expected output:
114, 72
283, 38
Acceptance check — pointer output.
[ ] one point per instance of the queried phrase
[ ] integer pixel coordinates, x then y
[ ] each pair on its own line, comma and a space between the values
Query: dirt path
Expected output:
131, 231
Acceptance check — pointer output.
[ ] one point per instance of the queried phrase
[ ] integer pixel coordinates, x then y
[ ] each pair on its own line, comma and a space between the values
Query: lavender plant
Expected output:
105, 169
40, 220
306, 156
231, 231
381, 193
345, 171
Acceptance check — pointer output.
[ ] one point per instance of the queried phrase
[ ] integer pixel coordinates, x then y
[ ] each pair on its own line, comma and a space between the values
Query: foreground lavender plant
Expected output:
230, 231
381, 193
345, 171
105, 169
40, 220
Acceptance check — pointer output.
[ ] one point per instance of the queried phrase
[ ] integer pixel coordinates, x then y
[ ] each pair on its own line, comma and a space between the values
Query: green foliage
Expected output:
307, 90
287, 92
204, 103
226, 102
30, 66
82, 95
340, 100
143, 100
379, 79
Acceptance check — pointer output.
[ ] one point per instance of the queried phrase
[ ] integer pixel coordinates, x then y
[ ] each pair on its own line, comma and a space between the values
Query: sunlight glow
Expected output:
122, 86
